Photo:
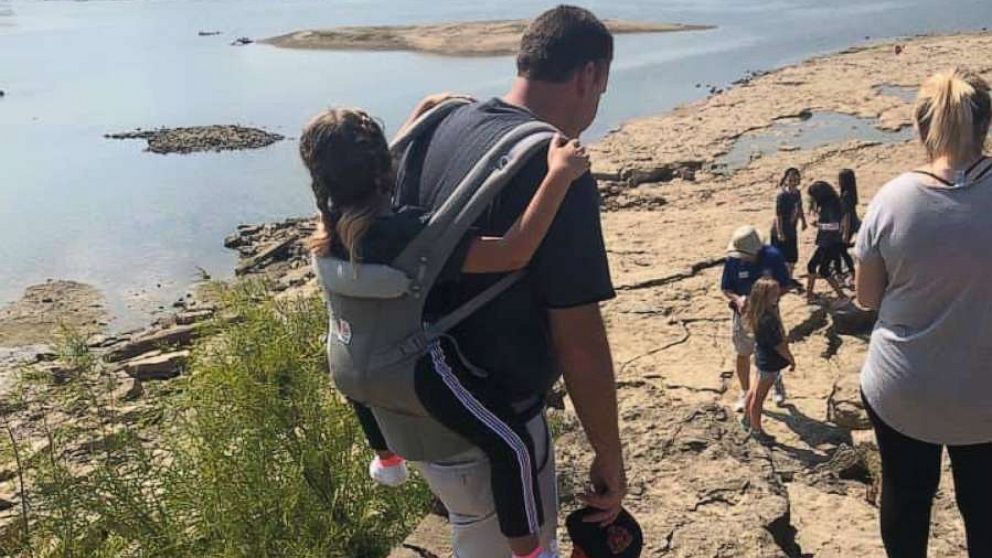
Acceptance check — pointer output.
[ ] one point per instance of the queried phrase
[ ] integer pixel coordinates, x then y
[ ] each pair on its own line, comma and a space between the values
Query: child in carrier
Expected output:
772, 354
351, 169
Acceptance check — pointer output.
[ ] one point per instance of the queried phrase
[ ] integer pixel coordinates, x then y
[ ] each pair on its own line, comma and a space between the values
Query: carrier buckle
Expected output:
413, 345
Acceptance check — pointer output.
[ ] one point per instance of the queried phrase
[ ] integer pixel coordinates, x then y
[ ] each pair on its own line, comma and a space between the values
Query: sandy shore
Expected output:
475, 38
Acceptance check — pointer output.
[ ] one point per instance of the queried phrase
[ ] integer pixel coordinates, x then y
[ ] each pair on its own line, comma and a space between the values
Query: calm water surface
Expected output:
76, 206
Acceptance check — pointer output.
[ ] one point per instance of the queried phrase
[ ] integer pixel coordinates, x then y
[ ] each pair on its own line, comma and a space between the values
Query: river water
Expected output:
74, 205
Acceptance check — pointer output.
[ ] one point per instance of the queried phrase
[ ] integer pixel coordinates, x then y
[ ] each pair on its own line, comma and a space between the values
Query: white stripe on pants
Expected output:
462, 483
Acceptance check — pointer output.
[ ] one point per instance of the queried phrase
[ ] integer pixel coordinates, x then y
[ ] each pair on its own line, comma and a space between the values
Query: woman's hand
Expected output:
567, 159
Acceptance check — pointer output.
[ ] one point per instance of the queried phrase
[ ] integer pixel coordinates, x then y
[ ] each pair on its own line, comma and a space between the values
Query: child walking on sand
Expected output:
772, 354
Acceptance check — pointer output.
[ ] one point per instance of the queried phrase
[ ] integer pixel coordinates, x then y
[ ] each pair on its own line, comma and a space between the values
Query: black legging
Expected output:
843, 257
910, 477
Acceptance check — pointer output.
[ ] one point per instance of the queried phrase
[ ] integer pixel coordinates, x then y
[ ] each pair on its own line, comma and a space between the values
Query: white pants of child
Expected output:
462, 484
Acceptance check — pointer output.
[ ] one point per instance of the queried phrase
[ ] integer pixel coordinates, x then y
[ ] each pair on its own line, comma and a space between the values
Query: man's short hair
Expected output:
560, 42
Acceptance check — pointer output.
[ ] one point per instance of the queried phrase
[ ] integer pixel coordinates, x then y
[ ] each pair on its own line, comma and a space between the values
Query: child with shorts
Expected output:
772, 354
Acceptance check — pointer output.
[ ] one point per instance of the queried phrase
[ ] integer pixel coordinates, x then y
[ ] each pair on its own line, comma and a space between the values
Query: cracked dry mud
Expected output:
697, 485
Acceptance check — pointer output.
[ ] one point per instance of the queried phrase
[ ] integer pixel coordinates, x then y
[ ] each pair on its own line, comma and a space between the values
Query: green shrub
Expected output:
253, 455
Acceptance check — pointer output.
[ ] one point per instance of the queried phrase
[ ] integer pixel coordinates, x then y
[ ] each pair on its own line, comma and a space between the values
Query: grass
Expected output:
250, 453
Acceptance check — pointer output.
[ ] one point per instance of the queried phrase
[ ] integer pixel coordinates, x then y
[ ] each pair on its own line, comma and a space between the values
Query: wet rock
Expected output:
844, 406
192, 317
685, 170
274, 250
208, 33
159, 367
201, 138
242, 41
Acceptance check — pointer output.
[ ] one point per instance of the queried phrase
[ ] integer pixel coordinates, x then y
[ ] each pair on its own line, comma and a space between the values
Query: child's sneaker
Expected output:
390, 472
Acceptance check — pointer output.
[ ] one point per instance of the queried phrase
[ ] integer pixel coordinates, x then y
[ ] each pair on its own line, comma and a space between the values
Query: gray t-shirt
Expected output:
929, 367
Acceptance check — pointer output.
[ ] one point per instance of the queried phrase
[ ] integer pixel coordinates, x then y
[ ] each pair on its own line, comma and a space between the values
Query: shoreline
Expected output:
456, 39
697, 484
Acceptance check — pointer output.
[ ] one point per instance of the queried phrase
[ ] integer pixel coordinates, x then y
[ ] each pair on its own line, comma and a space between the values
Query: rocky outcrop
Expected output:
154, 366
201, 138
179, 336
844, 405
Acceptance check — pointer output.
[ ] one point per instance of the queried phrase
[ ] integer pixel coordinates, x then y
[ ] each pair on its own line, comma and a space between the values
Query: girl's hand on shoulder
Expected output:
432, 101
567, 158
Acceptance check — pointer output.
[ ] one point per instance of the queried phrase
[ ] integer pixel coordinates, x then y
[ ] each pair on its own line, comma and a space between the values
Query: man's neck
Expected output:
544, 100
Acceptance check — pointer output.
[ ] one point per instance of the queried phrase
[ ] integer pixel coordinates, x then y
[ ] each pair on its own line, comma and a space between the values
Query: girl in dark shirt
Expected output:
788, 214
826, 206
772, 354
352, 175
850, 222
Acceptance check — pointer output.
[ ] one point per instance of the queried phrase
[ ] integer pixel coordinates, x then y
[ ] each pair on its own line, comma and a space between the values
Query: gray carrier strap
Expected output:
424, 258
423, 122
445, 324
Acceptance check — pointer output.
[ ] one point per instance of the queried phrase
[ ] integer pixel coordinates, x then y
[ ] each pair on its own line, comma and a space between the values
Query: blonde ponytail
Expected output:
953, 113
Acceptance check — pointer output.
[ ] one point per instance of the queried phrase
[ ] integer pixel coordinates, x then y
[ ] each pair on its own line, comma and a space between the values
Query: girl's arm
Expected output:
783, 349
567, 161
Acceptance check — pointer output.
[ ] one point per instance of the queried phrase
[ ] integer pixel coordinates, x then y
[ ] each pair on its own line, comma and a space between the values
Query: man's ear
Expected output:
587, 79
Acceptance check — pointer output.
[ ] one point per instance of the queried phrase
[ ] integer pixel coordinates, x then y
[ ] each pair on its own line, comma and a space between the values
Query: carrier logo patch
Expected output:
342, 332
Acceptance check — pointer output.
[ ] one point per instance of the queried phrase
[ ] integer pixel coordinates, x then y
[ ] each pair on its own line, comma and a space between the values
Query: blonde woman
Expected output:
772, 354
925, 264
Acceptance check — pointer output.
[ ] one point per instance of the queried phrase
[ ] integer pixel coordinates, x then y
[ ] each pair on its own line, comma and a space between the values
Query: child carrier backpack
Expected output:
377, 333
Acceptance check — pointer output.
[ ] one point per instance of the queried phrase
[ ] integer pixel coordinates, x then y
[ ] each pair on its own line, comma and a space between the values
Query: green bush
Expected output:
250, 453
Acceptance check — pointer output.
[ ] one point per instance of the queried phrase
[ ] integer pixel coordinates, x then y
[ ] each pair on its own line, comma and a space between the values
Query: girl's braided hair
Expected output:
351, 173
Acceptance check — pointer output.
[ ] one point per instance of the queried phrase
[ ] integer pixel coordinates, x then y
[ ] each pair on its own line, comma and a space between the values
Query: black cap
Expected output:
621, 539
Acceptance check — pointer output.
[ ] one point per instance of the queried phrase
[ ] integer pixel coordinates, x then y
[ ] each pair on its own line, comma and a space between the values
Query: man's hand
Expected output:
584, 355
608, 485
